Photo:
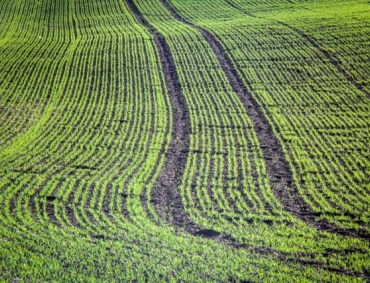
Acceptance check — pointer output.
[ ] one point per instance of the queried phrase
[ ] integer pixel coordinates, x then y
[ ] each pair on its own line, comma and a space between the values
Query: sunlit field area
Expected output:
184, 141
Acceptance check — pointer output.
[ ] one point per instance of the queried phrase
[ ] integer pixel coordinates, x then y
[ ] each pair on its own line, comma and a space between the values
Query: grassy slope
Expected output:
63, 97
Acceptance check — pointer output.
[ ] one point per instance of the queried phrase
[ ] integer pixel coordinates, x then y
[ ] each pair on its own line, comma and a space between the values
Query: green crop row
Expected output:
85, 125
311, 108
224, 150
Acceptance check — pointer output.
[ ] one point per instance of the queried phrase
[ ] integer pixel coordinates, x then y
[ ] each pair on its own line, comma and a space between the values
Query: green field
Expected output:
185, 141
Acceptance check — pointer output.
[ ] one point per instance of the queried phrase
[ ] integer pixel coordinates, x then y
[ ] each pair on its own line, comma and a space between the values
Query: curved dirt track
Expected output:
277, 167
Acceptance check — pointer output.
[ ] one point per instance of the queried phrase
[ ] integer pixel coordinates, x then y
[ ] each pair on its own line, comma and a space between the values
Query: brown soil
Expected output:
281, 177
165, 194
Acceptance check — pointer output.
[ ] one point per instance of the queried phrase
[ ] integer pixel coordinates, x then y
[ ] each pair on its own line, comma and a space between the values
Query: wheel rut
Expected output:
164, 193
165, 196
277, 167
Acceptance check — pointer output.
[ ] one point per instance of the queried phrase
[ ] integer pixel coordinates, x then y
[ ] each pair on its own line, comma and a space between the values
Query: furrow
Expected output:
278, 168
165, 188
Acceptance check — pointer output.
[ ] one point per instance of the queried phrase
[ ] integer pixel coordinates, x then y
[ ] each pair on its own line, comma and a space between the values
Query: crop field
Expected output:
185, 141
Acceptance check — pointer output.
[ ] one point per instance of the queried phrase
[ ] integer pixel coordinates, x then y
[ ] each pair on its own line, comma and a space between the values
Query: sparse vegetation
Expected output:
184, 141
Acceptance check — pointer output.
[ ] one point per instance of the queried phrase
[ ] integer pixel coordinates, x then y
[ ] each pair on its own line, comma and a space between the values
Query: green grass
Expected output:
86, 117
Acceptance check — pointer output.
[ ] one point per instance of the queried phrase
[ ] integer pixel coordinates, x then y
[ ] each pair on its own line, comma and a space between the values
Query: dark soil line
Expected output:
330, 57
277, 166
165, 196
166, 193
